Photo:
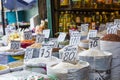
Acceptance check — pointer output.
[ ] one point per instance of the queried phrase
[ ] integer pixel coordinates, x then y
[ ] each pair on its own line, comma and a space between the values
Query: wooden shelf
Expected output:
88, 9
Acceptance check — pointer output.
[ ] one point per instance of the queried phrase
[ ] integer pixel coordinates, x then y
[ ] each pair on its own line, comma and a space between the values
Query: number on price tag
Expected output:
46, 32
15, 45
94, 42
75, 38
61, 37
92, 33
84, 27
28, 35
40, 38
28, 54
112, 30
45, 52
70, 54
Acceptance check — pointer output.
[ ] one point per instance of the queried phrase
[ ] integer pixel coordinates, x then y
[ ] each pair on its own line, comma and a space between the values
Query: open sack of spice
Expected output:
111, 43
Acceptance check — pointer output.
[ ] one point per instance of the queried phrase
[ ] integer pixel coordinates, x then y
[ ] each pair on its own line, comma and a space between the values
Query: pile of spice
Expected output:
111, 37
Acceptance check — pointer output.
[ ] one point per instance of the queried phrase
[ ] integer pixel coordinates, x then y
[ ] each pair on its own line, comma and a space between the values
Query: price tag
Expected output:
70, 54
54, 43
61, 37
112, 30
15, 45
84, 27
75, 38
116, 21
28, 54
109, 24
45, 52
40, 38
92, 33
94, 42
46, 32
28, 35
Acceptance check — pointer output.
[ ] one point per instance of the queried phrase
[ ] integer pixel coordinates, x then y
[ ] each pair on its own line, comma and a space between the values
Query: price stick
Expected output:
45, 52
15, 45
92, 33
61, 37
70, 54
112, 30
28, 35
75, 38
94, 42
28, 54
40, 38
84, 27
46, 32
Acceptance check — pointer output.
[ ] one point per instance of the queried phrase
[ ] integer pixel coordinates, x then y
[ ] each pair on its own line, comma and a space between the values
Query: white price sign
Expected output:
45, 52
54, 42
112, 30
92, 33
15, 45
61, 37
28, 35
116, 21
40, 38
84, 27
94, 42
75, 38
109, 24
46, 32
28, 54
70, 54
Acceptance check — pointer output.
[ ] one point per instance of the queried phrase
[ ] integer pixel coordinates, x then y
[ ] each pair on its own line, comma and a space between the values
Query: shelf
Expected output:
88, 9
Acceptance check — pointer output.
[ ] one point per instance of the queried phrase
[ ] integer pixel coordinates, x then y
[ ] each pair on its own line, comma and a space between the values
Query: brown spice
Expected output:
118, 33
111, 37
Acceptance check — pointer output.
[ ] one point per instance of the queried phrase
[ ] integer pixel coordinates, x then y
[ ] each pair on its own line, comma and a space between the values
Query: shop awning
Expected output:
18, 4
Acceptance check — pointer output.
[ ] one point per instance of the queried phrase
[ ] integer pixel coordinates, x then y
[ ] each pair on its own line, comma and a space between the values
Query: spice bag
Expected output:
99, 66
4, 69
40, 64
114, 48
70, 74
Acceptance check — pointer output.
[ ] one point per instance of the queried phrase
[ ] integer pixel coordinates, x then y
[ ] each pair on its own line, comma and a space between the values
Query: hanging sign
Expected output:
28, 35
28, 54
94, 42
15, 45
46, 32
45, 52
84, 27
75, 38
40, 38
61, 37
92, 33
70, 54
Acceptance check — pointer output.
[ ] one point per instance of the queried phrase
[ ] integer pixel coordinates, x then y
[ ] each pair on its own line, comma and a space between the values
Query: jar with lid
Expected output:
64, 3
100, 3
104, 17
76, 3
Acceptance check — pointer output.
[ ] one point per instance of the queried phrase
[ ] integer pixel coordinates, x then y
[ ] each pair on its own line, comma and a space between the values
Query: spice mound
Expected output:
111, 37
